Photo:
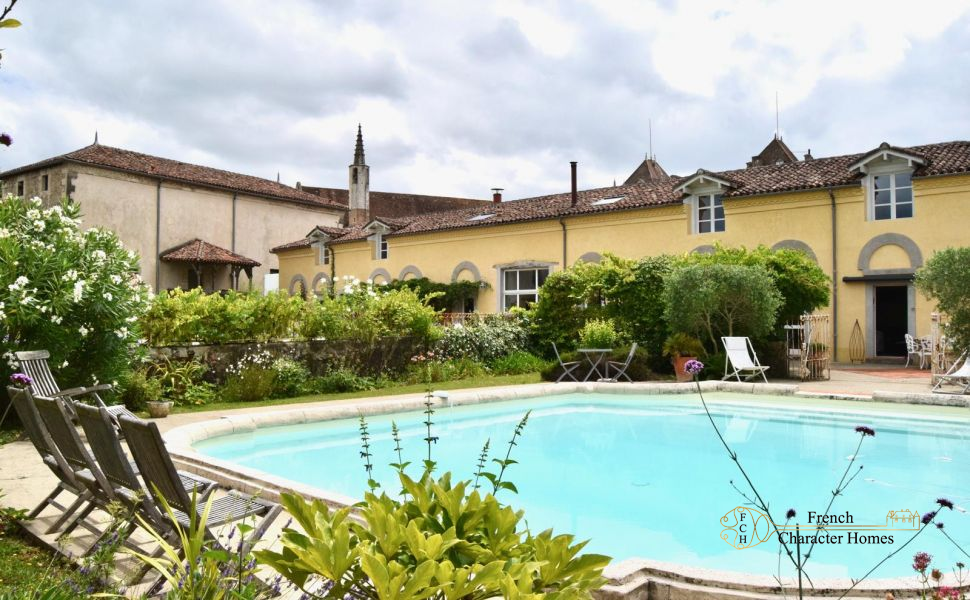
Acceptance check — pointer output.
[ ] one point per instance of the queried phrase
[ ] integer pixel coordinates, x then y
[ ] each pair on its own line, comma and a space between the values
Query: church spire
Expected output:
359, 149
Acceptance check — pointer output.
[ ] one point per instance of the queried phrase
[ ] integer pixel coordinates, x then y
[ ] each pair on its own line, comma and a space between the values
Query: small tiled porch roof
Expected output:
202, 252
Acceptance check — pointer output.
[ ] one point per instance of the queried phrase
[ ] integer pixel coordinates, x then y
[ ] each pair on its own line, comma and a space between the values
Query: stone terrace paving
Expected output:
25, 480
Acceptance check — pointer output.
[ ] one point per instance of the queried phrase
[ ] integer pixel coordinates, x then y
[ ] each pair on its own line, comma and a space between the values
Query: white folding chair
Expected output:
741, 360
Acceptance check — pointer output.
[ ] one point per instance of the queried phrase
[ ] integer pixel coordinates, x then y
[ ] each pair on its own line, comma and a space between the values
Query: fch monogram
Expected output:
745, 527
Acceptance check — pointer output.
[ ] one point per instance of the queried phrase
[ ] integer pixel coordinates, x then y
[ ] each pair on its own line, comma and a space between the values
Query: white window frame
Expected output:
520, 291
382, 248
696, 213
870, 183
323, 256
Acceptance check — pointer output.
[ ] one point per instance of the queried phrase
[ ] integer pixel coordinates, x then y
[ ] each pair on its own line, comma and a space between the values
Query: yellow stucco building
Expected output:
869, 220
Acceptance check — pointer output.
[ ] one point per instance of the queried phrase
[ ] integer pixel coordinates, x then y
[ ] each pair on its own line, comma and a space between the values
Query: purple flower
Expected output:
928, 517
790, 514
921, 561
865, 430
5, 139
944, 503
939, 525
694, 367
21, 379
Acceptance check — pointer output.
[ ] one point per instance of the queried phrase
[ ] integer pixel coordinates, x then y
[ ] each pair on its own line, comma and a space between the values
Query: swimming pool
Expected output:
645, 476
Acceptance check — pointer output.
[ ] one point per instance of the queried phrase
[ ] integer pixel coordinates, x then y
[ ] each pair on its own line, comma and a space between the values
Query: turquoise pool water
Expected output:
645, 476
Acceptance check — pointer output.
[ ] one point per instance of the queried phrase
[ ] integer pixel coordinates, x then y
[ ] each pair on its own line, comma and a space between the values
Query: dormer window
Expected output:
888, 181
709, 213
891, 196
703, 196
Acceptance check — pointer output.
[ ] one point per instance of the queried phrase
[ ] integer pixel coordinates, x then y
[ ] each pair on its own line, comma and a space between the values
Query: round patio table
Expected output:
595, 358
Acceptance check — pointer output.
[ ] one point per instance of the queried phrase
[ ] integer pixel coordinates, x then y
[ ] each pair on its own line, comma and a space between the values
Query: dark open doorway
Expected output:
892, 320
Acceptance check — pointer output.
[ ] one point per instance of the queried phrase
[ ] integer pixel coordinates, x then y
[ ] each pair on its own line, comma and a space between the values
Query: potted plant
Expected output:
681, 348
157, 406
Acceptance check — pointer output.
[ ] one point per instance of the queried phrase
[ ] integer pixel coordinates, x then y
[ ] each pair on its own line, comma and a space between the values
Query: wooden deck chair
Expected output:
37, 432
621, 367
959, 374
34, 363
567, 367
122, 476
57, 419
741, 360
162, 479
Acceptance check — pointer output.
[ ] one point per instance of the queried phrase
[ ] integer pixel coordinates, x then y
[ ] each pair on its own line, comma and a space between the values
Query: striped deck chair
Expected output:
23, 403
35, 364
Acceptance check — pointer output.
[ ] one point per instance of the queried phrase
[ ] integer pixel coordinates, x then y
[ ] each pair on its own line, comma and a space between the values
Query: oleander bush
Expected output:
74, 292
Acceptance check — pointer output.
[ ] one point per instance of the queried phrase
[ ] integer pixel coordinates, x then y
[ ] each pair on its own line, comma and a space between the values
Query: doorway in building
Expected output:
892, 320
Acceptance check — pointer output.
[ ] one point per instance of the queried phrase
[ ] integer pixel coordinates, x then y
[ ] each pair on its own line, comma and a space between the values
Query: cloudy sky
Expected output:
459, 97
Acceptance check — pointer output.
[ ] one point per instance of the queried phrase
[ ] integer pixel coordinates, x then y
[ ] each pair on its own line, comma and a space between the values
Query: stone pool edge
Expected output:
630, 578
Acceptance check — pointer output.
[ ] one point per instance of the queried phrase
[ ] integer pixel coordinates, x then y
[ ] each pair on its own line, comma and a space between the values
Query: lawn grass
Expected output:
23, 565
484, 381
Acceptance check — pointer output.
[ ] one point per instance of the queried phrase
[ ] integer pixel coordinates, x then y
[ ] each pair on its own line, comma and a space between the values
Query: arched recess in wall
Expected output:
319, 284
410, 270
796, 245
380, 275
298, 286
466, 266
890, 239
705, 249
590, 257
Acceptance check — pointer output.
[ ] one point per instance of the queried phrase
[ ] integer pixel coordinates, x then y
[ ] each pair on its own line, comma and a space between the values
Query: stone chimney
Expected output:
359, 185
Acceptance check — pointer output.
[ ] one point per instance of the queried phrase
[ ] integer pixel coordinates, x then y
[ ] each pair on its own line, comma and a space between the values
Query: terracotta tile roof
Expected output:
943, 158
392, 204
154, 166
333, 232
200, 251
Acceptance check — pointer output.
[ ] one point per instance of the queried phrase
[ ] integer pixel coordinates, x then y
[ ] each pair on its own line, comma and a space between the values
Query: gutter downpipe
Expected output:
158, 236
562, 223
333, 272
234, 281
835, 281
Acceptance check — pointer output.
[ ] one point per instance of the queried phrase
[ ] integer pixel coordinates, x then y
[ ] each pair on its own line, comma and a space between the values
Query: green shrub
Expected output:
443, 540
136, 389
484, 341
176, 377
340, 381
518, 363
290, 378
598, 333
438, 370
251, 383
445, 297
945, 278
681, 344
74, 292
198, 394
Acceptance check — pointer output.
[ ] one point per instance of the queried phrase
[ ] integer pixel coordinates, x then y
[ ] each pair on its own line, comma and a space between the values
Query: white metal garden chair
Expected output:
741, 360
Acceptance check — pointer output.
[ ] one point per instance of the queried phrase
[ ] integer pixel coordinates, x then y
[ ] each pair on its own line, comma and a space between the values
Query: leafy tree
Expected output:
803, 285
560, 312
716, 299
75, 293
635, 302
945, 278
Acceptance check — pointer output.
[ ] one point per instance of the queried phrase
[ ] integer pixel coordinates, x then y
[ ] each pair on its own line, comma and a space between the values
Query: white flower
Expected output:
4, 233
35, 201
64, 364
56, 319
18, 283
122, 333
78, 290
108, 296
84, 331
99, 255
39, 225
116, 279
33, 214
370, 281
71, 275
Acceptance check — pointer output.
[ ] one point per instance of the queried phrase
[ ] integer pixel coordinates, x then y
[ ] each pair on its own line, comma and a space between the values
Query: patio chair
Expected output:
621, 367
567, 367
23, 403
162, 480
53, 412
741, 360
35, 364
917, 347
959, 374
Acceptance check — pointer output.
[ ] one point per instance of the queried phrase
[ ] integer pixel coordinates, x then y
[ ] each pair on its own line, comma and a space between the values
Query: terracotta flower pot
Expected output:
159, 410
680, 363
